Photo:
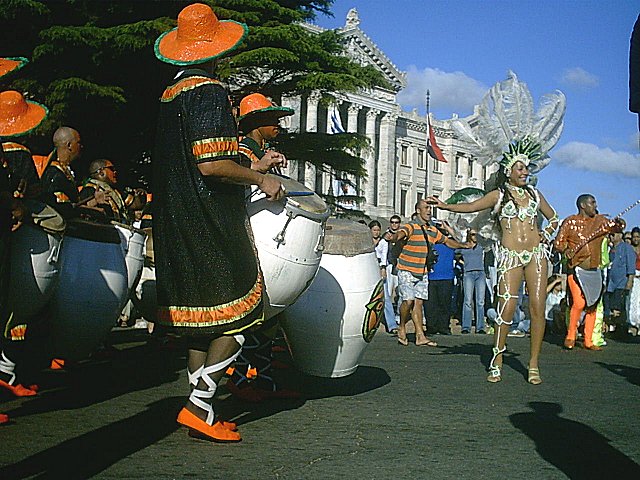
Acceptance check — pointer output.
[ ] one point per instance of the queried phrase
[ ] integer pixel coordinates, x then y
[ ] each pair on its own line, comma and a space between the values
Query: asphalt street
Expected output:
407, 412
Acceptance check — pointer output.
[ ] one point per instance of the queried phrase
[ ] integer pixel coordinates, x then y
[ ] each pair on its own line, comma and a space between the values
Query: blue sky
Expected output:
458, 49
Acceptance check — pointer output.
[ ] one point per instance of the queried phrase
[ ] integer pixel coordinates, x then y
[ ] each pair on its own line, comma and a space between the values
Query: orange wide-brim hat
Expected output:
10, 64
256, 103
19, 116
199, 37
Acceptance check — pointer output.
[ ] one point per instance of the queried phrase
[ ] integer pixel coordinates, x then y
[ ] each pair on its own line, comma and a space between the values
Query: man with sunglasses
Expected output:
100, 191
391, 318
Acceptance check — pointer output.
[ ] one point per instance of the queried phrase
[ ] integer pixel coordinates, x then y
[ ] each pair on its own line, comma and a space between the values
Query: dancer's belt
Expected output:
591, 283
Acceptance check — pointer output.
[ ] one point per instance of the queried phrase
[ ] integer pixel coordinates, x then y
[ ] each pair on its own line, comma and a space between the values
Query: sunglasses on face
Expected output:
395, 221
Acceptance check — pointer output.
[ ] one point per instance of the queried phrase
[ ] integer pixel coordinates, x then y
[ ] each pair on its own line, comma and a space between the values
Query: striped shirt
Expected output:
414, 254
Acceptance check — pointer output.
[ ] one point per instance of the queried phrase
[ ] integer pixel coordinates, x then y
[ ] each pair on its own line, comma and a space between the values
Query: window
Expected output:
419, 197
404, 155
420, 158
470, 168
436, 166
484, 173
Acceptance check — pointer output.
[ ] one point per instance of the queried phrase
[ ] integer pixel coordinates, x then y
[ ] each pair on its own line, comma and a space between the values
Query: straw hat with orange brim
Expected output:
11, 64
19, 116
256, 110
199, 37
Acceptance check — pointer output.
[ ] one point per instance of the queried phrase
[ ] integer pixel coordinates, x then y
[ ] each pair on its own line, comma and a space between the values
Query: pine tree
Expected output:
92, 64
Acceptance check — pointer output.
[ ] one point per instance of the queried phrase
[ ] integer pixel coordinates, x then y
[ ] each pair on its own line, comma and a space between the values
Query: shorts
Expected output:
411, 287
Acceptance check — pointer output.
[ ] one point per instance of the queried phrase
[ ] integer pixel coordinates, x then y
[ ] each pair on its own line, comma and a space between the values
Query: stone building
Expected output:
399, 169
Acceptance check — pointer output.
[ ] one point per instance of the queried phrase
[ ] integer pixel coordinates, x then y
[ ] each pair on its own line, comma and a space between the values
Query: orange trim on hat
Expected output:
14, 147
212, 316
185, 85
214, 147
199, 37
19, 116
10, 64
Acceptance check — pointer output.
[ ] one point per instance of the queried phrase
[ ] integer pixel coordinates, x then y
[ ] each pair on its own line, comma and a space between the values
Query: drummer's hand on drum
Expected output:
271, 159
18, 213
272, 187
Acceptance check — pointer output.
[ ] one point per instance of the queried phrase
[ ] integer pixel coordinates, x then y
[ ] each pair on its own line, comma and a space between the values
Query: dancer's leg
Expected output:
577, 306
535, 274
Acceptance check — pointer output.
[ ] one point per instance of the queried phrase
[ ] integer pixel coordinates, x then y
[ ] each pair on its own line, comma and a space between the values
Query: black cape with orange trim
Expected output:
208, 280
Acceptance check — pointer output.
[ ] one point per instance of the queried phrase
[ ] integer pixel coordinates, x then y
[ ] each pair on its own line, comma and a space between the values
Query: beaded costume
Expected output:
207, 273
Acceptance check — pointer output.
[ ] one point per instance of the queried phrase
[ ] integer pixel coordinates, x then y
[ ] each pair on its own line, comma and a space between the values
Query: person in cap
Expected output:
58, 179
209, 285
18, 117
252, 379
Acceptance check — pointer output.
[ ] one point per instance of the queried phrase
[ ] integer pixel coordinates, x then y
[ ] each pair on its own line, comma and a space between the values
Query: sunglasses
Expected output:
395, 221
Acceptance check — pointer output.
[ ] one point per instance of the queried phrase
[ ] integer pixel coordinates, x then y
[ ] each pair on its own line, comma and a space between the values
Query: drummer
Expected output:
19, 116
58, 179
208, 283
252, 378
103, 178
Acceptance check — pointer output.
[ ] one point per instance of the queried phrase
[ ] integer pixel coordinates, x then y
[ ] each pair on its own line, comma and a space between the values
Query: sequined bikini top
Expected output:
511, 210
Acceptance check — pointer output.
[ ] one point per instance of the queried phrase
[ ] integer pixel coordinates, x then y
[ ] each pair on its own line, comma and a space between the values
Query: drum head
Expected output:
45, 216
309, 203
346, 237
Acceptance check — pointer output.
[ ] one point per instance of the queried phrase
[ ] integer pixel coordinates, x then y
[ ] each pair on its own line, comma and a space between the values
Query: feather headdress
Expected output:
509, 130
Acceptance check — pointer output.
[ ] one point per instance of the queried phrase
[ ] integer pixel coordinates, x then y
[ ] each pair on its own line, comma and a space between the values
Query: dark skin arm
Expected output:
229, 171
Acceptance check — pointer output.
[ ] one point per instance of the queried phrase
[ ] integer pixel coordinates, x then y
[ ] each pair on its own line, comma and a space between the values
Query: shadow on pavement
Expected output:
631, 374
484, 354
91, 453
364, 379
575, 449
134, 367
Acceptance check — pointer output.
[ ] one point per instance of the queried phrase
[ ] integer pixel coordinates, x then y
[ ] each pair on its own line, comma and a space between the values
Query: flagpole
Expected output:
426, 158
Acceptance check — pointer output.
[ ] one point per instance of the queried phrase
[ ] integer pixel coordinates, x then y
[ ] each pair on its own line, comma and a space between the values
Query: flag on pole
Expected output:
433, 148
335, 122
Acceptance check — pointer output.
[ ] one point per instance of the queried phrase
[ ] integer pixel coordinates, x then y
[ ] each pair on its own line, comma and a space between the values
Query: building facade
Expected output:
399, 169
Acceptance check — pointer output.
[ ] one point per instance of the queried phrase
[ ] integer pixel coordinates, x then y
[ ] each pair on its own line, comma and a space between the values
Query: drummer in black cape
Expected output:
18, 117
252, 378
208, 282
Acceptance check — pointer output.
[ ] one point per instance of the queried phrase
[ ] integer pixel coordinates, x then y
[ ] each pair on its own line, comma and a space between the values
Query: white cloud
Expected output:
579, 77
586, 156
453, 91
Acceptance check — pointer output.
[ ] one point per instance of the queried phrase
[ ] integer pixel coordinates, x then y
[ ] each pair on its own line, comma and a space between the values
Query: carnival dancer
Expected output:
580, 241
414, 264
518, 138
252, 378
18, 117
208, 283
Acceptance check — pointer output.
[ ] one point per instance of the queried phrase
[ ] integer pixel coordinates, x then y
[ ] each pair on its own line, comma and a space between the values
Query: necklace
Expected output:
519, 191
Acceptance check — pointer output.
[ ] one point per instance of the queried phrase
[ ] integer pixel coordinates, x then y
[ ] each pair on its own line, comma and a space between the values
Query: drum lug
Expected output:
320, 245
279, 238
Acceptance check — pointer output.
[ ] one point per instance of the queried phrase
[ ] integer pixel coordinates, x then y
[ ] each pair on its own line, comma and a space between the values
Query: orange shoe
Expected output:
569, 343
229, 425
200, 429
595, 348
4, 418
18, 390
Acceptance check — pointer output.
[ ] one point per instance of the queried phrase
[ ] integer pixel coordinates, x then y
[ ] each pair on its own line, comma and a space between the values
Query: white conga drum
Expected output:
146, 298
132, 241
331, 324
35, 255
92, 288
289, 238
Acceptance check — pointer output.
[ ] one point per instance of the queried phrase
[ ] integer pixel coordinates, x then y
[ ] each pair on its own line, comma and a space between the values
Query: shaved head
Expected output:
64, 135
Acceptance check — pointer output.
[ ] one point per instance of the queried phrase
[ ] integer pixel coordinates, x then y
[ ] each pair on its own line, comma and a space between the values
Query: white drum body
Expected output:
133, 243
146, 298
331, 324
92, 289
289, 238
35, 266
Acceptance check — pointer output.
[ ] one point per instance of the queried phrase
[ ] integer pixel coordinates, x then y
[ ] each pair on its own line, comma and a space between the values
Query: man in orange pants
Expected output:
580, 240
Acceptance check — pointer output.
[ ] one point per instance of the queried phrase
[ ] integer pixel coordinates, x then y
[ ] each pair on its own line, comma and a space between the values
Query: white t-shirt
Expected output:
553, 299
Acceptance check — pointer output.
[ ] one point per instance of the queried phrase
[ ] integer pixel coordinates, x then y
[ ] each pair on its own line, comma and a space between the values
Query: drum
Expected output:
331, 324
289, 237
92, 289
35, 265
133, 241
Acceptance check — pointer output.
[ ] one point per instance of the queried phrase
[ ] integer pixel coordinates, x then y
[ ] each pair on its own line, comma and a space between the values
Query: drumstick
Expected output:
85, 201
297, 194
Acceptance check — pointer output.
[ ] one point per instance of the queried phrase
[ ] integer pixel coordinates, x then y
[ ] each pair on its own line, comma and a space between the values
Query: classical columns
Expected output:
370, 132
352, 118
386, 160
311, 126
